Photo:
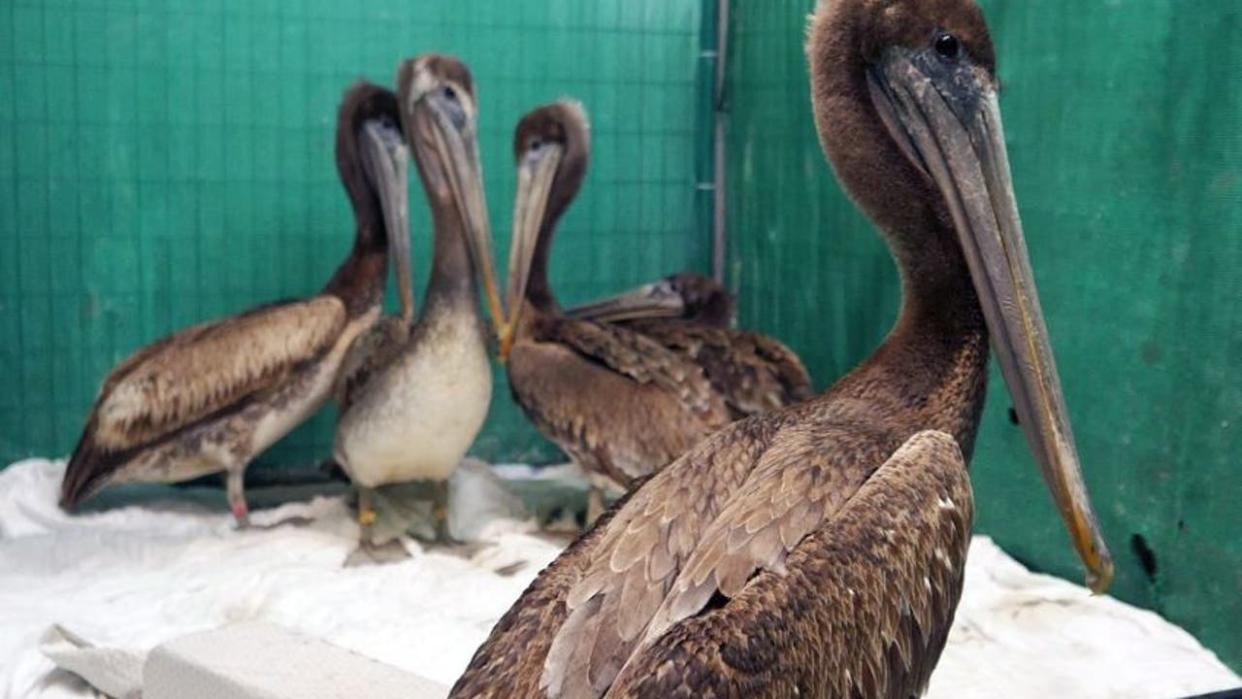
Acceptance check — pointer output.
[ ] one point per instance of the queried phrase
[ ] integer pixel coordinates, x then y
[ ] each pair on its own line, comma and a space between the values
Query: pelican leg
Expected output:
368, 552
440, 514
235, 485
443, 538
366, 516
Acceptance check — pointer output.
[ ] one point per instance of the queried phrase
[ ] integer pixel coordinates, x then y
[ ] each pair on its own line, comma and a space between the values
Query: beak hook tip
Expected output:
1099, 581
506, 345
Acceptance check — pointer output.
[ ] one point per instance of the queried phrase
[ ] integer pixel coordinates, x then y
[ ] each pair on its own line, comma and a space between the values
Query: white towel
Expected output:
116, 672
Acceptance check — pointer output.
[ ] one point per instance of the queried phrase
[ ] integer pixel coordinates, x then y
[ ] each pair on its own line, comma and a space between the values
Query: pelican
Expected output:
683, 296
663, 380
421, 394
692, 315
620, 404
211, 397
819, 550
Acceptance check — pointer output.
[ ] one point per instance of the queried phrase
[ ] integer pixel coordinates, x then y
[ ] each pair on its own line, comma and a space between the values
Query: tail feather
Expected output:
88, 470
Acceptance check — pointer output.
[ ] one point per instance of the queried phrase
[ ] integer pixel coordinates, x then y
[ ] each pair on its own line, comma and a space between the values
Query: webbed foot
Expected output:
369, 554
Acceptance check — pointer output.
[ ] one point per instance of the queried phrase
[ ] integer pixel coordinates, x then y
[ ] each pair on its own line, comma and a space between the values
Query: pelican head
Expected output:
440, 115
551, 146
905, 93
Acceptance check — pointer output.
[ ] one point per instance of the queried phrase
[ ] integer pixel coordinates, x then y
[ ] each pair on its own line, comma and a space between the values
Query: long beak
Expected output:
655, 300
948, 121
387, 160
536, 173
456, 141
400, 252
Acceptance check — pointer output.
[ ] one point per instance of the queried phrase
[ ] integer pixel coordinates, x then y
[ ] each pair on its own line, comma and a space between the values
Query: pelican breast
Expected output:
424, 409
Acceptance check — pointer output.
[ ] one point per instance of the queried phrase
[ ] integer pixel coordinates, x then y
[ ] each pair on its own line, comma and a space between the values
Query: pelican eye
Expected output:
450, 93
947, 45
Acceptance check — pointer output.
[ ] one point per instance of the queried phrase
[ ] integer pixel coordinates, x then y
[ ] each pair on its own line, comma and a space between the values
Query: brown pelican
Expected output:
652, 403
683, 296
691, 315
619, 403
421, 394
211, 397
819, 550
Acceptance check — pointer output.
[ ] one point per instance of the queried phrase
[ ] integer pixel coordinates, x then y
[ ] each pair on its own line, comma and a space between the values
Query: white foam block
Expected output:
263, 661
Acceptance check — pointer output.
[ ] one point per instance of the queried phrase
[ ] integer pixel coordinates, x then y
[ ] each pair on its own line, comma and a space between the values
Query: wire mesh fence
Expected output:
164, 162
1122, 121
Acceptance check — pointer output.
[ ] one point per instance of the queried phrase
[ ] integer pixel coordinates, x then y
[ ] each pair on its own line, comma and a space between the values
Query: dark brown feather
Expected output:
512, 668
703, 300
199, 373
753, 372
618, 403
210, 374
907, 528
202, 369
816, 550
371, 352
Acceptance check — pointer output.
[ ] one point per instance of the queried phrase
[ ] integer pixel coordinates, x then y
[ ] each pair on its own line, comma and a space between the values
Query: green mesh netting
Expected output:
1124, 120
167, 162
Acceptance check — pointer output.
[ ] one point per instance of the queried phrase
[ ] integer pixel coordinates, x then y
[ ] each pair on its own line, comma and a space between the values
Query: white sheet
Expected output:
134, 576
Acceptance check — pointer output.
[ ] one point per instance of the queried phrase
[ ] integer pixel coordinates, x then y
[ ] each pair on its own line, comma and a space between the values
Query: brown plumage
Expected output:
191, 374
818, 550
656, 385
704, 300
376, 349
686, 295
427, 388
211, 397
692, 316
619, 403
753, 372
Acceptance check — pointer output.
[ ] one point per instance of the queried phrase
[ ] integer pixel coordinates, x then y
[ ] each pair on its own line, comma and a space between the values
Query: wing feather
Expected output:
640, 552
864, 608
640, 358
510, 663
374, 350
754, 372
791, 493
646, 406
841, 551
205, 368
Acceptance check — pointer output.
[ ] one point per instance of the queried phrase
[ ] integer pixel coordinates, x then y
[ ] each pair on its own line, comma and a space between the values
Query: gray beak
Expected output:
655, 300
451, 125
536, 173
385, 158
946, 118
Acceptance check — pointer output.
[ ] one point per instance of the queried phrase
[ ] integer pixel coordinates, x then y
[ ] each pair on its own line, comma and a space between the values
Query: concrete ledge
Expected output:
262, 661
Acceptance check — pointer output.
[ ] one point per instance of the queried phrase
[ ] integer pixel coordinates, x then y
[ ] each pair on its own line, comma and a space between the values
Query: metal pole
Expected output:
720, 237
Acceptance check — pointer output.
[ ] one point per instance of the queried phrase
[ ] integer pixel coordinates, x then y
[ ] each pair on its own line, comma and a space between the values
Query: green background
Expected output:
163, 162
169, 161
1124, 122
